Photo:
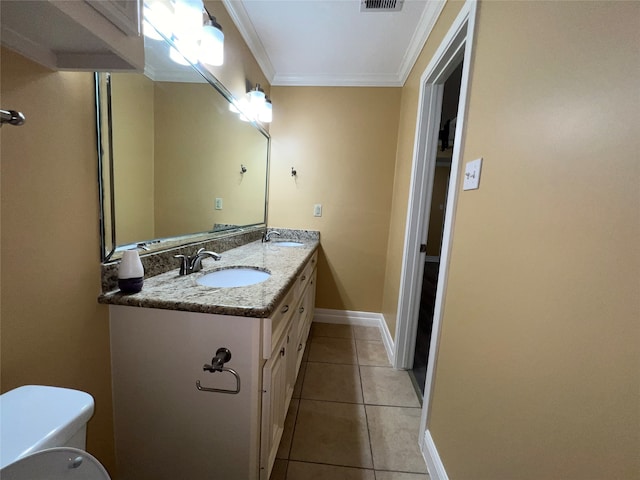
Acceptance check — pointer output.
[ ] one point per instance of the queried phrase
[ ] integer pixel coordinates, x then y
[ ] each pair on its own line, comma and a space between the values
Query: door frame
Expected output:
456, 46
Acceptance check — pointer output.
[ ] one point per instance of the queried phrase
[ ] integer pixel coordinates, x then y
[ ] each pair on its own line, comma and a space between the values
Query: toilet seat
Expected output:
60, 463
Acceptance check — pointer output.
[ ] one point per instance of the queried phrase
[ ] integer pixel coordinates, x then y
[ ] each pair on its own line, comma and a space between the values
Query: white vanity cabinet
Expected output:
165, 428
75, 35
281, 369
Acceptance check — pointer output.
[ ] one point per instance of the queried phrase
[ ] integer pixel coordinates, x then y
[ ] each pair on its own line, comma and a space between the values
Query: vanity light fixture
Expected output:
212, 43
254, 106
266, 113
195, 34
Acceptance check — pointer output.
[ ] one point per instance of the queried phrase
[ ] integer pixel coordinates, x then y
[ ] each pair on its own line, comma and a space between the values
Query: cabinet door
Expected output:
274, 406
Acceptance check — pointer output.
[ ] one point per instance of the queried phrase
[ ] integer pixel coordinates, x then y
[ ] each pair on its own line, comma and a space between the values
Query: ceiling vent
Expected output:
381, 5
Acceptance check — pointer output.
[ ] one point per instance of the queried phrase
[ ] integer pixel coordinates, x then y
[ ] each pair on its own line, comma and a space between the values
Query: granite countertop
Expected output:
174, 292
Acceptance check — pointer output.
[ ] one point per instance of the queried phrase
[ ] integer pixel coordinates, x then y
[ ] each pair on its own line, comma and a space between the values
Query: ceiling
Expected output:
333, 43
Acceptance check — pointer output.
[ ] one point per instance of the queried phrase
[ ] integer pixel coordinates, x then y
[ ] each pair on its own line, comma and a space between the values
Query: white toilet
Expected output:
43, 435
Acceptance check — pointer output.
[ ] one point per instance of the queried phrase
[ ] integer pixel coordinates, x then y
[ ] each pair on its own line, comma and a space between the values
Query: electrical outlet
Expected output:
317, 210
218, 204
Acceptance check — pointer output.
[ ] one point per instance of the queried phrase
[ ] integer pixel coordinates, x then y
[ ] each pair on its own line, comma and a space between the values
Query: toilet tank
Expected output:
37, 417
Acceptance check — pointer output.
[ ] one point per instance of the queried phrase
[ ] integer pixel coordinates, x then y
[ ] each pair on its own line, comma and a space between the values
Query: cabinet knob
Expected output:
304, 277
285, 309
299, 347
282, 350
301, 310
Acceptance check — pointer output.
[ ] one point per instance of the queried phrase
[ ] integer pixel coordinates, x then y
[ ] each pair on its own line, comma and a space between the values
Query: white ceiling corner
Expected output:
331, 43
243, 23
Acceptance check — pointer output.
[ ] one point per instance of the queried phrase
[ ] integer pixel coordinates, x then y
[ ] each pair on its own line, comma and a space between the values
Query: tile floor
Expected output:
352, 416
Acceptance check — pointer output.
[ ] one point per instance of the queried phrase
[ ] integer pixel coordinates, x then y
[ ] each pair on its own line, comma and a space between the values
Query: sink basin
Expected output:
233, 277
285, 243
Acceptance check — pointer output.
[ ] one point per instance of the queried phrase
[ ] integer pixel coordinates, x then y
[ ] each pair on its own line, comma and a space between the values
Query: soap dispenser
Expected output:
130, 272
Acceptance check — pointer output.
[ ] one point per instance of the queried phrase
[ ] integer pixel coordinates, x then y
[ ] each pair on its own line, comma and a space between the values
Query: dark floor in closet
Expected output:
425, 323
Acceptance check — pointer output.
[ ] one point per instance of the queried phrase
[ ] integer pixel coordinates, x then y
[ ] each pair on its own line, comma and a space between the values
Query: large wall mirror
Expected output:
176, 163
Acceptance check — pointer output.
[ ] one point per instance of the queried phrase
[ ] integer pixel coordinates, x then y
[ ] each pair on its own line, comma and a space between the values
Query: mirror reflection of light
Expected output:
212, 44
184, 52
158, 17
266, 113
187, 21
182, 22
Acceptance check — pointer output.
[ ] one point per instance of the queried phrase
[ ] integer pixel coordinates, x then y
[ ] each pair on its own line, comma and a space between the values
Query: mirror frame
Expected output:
106, 187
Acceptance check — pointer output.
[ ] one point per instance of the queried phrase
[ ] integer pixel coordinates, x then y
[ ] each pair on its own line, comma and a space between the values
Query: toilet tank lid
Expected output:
35, 417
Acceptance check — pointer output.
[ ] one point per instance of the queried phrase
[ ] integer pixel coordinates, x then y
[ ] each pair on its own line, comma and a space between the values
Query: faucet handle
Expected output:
184, 264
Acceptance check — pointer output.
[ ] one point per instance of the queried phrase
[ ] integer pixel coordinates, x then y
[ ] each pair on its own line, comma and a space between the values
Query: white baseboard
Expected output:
430, 454
387, 339
364, 319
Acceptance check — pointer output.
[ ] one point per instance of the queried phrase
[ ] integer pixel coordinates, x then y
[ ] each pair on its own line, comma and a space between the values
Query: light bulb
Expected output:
257, 98
245, 110
212, 44
266, 113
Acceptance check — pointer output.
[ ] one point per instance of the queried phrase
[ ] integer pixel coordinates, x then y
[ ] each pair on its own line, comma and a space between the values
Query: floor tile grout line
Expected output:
295, 422
336, 465
330, 401
333, 363
293, 430
366, 418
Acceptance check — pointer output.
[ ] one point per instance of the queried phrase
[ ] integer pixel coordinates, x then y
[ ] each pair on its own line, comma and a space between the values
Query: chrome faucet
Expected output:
193, 263
266, 236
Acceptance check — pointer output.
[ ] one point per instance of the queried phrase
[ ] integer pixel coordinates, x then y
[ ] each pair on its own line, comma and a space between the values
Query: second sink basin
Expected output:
287, 243
233, 277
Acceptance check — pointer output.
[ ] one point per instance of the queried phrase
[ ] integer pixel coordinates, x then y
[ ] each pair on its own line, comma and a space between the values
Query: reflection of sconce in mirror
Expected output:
254, 106
196, 35
293, 172
243, 169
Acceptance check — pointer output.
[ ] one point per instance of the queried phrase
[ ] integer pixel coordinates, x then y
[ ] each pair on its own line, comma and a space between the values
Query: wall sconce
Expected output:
187, 24
254, 106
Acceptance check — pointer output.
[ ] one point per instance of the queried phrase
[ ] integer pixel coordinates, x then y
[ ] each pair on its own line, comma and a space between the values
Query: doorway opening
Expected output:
455, 49
438, 201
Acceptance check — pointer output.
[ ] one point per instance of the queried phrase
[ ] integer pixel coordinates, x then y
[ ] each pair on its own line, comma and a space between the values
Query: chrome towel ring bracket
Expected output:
223, 355
11, 117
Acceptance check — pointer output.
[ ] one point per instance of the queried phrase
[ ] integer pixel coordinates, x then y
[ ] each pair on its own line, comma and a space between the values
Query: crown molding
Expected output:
427, 21
382, 80
244, 25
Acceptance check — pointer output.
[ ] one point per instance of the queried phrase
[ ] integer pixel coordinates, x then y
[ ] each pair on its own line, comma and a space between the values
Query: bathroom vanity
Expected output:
173, 419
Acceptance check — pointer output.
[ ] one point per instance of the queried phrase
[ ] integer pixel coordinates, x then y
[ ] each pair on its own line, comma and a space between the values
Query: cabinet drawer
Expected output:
305, 276
274, 327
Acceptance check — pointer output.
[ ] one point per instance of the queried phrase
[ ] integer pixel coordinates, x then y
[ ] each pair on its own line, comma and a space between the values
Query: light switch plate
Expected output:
218, 204
472, 174
317, 210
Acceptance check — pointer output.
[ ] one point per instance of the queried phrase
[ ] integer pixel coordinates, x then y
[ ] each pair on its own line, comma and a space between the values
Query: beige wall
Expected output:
133, 145
342, 143
537, 373
192, 171
53, 330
